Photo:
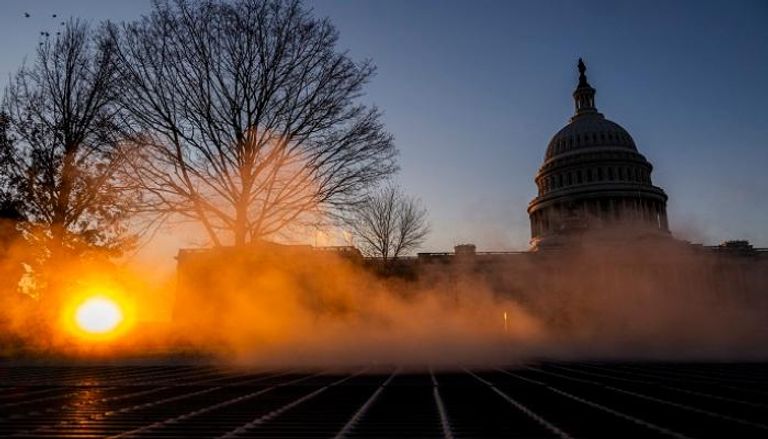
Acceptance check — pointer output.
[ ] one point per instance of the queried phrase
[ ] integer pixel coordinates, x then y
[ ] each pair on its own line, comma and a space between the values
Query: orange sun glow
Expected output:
98, 315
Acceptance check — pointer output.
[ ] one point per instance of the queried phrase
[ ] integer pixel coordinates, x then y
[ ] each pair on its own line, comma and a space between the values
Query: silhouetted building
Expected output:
593, 178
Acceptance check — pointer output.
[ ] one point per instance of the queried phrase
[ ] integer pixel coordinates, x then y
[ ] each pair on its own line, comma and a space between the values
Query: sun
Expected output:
98, 315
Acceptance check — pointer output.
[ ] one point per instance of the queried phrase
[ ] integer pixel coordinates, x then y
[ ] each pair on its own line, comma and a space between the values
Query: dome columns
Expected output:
644, 212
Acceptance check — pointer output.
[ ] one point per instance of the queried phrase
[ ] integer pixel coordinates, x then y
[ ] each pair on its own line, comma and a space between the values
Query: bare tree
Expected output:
60, 143
9, 198
247, 116
10, 213
389, 223
10, 216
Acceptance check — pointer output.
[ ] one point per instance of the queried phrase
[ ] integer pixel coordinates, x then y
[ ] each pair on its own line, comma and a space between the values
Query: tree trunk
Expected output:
241, 224
59, 223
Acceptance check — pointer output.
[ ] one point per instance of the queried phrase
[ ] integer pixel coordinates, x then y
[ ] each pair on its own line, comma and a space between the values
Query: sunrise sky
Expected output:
473, 91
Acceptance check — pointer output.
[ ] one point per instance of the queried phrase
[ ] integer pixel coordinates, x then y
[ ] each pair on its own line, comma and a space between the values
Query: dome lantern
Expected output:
584, 95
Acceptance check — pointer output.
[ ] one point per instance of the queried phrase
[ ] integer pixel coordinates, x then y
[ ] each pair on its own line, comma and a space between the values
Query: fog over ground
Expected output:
656, 299
291, 306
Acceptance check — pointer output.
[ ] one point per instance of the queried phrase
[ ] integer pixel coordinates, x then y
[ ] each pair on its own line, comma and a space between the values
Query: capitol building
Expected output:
593, 178
598, 223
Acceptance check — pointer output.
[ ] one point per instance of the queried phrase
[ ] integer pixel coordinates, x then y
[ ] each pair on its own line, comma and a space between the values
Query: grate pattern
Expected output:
542, 400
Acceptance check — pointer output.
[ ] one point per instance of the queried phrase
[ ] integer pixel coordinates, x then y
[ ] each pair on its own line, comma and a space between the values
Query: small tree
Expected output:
59, 154
389, 223
246, 116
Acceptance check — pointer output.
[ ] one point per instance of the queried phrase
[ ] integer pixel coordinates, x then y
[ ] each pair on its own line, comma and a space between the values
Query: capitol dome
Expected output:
593, 177
589, 131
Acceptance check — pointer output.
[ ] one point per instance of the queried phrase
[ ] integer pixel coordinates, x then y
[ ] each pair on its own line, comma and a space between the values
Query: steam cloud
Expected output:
659, 298
285, 307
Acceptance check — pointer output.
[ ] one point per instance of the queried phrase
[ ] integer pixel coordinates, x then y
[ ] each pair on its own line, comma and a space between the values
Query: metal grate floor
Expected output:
542, 400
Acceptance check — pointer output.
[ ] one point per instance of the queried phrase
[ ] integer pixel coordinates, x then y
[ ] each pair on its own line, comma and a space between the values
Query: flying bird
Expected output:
54, 15
26, 14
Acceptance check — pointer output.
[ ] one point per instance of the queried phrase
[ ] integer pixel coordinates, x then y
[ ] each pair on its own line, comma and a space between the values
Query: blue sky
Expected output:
473, 90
